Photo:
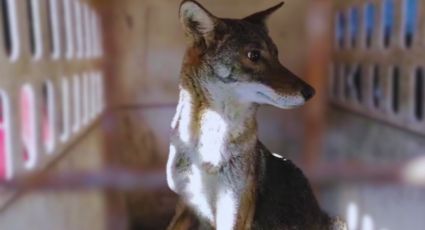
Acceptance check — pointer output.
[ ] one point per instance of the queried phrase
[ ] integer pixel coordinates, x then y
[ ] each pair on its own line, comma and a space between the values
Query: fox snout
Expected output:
283, 89
300, 87
308, 92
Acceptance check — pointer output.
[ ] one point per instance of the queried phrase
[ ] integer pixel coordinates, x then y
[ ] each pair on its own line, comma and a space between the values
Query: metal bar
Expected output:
118, 179
319, 43
124, 179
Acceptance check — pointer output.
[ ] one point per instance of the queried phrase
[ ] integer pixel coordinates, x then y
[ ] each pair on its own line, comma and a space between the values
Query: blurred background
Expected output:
88, 90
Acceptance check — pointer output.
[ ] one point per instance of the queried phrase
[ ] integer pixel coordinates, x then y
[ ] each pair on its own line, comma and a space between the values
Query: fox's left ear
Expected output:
198, 23
261, 17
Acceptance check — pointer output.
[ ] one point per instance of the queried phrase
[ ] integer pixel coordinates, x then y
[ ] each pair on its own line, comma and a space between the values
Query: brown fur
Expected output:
247, 208
192, 58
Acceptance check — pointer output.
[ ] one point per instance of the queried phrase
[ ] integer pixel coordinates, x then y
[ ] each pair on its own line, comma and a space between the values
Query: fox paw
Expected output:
339, 224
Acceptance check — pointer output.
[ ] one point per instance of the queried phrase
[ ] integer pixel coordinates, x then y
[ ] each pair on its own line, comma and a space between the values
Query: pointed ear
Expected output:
197, 22
261, 17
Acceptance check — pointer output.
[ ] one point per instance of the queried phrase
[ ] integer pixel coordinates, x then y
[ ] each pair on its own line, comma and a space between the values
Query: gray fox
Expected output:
225, 177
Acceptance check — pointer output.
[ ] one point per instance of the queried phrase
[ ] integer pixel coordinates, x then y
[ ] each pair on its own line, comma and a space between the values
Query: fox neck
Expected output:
213, 123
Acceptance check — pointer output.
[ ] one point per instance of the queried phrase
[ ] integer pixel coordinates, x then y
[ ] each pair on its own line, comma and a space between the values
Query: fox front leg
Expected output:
234, 211
227, 207
184, 219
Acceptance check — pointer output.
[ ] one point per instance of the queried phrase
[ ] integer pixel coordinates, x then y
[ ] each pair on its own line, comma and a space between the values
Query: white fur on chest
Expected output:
200, 190
212, 138
211, 198
215, 195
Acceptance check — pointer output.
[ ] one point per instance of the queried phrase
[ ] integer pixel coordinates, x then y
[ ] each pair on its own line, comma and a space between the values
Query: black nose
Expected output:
307, 92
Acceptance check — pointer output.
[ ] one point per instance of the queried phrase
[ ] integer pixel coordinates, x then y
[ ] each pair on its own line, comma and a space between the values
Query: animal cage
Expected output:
378, 61
51, 84
376, 71
88, 89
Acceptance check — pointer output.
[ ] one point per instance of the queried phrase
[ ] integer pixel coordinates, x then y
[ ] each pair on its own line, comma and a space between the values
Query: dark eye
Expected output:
254, 55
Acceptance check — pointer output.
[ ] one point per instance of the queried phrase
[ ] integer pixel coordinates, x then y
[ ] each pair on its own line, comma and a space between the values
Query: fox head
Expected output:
237, 56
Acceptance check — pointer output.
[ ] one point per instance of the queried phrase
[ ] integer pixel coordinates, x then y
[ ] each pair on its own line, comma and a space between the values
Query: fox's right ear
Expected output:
197, 22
